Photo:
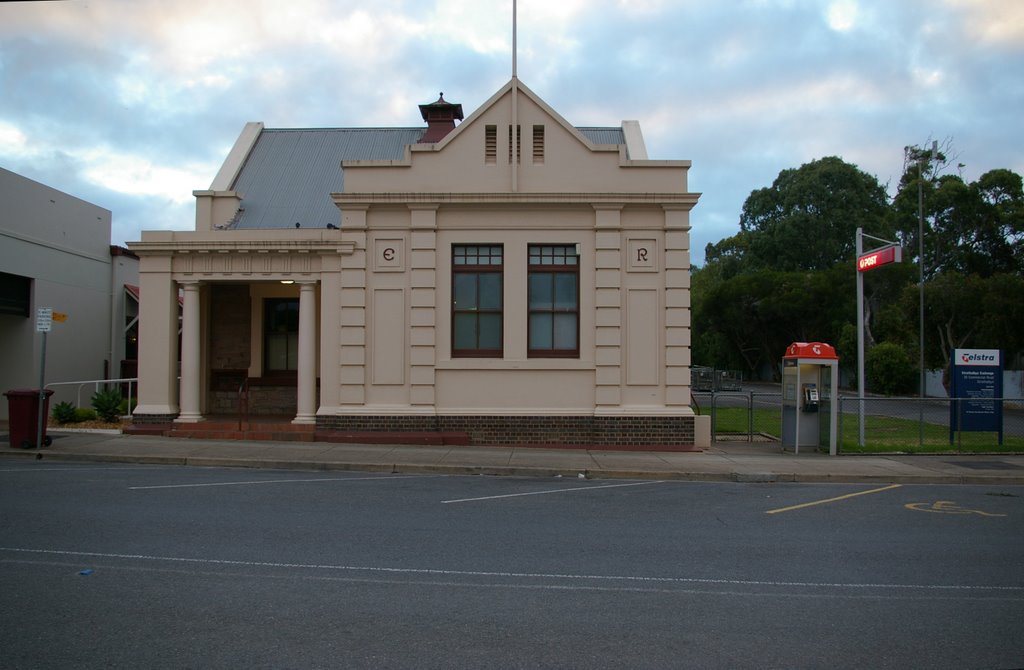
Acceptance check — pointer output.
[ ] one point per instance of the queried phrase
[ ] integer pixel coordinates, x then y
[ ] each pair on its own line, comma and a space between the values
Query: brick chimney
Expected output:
440, 117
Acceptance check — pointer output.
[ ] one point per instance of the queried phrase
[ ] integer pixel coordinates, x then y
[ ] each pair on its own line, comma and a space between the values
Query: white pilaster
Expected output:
306, 392
158, 328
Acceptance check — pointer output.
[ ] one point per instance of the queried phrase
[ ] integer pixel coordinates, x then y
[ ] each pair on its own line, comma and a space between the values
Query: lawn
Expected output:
882, 434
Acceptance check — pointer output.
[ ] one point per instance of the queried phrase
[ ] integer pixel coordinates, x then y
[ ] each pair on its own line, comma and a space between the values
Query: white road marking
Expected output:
29, 468
544, 493
273, 481
632, 579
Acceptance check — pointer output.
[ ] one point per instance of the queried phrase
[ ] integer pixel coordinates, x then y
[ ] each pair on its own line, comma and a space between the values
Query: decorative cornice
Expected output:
683, 200
181, 247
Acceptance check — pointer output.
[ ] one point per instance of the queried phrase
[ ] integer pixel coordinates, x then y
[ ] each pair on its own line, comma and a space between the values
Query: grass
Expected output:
882, 434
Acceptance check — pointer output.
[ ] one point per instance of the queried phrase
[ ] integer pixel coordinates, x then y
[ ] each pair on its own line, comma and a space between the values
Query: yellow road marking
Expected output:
946, 507
836, 499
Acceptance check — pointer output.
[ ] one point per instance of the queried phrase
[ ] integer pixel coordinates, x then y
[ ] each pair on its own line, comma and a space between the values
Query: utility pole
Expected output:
920, 263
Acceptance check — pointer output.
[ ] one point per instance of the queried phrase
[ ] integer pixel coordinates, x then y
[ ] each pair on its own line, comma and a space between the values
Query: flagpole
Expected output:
513, 135
514, 46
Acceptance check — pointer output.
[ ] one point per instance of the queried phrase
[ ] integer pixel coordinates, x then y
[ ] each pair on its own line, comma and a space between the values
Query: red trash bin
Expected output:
23, 417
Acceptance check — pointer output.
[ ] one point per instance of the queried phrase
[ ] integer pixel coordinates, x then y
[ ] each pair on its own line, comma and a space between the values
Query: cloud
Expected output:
134, 104
996, 22
842, 15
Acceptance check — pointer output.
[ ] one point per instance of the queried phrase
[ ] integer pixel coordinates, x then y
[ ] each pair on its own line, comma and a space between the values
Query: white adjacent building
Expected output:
55, 252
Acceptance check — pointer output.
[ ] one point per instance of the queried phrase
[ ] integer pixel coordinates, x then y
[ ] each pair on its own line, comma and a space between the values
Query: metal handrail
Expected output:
96, 387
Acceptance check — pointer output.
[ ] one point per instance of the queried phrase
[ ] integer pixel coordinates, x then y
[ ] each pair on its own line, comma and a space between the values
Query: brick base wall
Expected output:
153, 418
263, 401
620, 431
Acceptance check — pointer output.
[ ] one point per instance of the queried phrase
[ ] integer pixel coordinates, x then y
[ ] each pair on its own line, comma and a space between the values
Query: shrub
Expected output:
84, 414
64, 412
124, 407
888, 369
107, 404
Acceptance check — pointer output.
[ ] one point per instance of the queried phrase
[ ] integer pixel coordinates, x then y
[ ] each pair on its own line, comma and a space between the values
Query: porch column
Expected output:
190, 355
306, 392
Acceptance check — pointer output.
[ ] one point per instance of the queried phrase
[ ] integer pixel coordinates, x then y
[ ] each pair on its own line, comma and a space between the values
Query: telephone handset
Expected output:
810, 398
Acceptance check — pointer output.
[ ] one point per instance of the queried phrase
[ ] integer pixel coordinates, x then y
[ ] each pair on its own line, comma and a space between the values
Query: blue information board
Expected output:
976, 386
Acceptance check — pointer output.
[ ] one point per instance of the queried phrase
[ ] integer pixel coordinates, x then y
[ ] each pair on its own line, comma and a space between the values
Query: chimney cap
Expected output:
441, 109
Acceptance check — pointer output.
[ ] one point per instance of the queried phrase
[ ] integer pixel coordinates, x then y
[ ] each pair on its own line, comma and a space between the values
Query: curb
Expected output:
510, 471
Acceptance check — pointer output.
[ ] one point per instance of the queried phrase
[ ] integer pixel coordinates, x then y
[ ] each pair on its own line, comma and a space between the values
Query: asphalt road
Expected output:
132, 566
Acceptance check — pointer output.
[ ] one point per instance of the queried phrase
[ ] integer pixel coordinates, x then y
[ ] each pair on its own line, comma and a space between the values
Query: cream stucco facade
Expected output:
374, 344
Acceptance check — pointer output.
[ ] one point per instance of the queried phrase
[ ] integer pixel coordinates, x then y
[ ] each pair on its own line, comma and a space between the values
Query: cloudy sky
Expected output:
133, 104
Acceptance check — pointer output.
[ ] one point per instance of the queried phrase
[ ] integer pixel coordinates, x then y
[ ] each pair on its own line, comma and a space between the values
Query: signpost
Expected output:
44, 321
976, 386
890, 253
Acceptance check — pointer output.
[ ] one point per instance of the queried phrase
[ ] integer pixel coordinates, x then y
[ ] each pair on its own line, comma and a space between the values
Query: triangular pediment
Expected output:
516, 142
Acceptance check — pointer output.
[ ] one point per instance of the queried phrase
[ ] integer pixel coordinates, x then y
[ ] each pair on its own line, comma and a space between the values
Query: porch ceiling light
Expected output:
287, 281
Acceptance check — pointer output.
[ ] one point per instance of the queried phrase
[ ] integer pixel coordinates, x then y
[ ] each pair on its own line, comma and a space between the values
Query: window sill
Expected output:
522, 364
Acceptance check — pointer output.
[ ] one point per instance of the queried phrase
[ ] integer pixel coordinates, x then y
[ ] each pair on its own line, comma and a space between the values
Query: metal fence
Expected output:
712, 379
891, 425
742, 416
936, 425
128, 386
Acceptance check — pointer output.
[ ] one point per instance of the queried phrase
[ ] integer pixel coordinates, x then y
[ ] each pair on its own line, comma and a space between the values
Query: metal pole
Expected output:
750, 418
920, 314
42, 395
920, 257
714, 417
860, 341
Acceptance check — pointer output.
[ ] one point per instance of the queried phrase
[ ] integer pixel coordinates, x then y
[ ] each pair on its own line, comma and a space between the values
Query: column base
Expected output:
189, 417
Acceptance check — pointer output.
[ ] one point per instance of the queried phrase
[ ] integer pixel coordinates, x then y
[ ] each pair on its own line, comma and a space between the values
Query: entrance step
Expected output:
273, 431
432, 438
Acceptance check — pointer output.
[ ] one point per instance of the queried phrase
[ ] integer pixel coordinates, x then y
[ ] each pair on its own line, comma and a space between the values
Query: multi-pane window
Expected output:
554, 301
477, 300
280, 334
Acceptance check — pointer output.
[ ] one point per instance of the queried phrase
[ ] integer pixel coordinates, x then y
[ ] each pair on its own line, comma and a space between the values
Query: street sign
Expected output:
879, 257
44, 319
976, 385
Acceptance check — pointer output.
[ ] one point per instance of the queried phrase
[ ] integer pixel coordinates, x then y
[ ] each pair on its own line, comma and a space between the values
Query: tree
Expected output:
807, 219
756, 315
963, 311
975, 228
788, 274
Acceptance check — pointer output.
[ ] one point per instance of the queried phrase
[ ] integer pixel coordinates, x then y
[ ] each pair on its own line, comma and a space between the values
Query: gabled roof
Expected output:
289, 174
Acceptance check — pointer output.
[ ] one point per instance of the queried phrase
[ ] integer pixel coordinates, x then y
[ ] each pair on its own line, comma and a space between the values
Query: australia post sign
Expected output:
977, 389
879, 257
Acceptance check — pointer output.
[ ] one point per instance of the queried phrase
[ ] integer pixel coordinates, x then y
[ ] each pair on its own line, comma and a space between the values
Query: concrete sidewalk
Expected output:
741, 462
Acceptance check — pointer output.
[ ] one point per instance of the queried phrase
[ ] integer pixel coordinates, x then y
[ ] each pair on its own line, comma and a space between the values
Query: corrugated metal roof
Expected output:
290, 173
603, 135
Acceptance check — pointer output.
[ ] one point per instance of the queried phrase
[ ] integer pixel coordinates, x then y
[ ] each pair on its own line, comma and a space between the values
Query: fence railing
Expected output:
712, 379
748, 416
904, 425
97, 383
922, 425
